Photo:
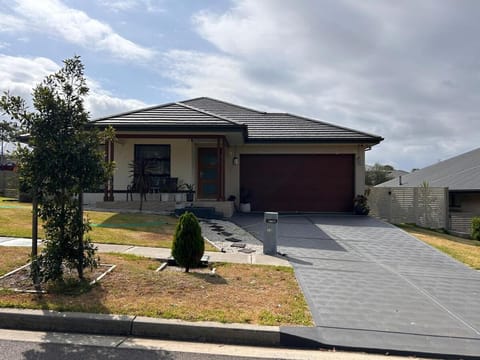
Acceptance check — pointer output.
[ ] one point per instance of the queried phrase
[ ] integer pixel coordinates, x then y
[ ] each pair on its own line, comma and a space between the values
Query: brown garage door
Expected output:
323, 183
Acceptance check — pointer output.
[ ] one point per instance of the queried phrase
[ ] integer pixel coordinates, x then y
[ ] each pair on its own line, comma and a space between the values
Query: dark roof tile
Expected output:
260, 126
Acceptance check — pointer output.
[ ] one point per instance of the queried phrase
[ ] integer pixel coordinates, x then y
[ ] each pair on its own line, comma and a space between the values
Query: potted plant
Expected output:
245, 199
190, 190
360, 205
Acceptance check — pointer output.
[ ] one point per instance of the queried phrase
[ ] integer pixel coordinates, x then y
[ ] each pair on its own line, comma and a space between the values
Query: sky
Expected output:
408, 71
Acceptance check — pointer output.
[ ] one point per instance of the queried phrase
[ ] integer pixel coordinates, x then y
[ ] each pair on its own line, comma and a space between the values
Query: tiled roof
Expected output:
263, 126
168, 115
459, 173
258, 126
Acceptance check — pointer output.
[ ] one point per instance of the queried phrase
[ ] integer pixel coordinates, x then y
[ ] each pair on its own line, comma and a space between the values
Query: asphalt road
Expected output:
28, 345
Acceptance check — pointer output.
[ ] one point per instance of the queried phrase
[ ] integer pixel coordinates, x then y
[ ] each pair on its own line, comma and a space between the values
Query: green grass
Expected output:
12, 258
107, 227
464, 250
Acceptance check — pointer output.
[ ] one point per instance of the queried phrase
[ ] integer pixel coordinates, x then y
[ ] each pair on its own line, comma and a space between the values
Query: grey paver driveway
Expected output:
371, 285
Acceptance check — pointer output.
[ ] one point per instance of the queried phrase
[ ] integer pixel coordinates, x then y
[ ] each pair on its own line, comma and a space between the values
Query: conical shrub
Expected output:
188, 245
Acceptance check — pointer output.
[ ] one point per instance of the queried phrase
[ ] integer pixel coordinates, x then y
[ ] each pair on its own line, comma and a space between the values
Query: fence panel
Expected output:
8, 183
423, 206
461, 222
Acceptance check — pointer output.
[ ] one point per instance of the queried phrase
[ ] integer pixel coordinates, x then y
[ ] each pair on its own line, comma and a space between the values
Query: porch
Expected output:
154, 204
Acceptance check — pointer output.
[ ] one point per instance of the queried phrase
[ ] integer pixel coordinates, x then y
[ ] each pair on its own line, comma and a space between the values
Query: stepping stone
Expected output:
246, 251
241, 246
233, 239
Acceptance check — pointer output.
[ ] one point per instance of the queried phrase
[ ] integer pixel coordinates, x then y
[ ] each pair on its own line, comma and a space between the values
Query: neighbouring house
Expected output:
460, 175
283, 162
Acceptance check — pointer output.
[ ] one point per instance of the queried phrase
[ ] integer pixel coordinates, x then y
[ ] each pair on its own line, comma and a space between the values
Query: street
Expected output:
28, 345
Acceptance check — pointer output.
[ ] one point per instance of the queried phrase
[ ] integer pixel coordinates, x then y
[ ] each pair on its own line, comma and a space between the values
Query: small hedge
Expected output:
188, 245
475, 228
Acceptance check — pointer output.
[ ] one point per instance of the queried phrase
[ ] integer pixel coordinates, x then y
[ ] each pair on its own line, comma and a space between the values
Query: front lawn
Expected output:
107, 227
12, 258
236, 293
464, 250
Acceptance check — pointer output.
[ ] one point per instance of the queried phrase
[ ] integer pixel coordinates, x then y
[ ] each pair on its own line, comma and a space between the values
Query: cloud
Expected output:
151, 6
20, 75
9, 23
406, 71
102, 102
54, 18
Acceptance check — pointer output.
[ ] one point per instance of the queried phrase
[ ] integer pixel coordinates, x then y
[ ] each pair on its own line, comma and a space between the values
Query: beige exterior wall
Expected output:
184, 159
181, 159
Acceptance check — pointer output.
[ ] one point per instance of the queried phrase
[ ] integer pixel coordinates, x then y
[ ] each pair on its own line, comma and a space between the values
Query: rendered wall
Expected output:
181, 159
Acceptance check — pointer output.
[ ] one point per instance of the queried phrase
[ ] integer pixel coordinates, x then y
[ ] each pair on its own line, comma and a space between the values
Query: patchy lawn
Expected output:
464, 250
237, 293
12, 258
107, 227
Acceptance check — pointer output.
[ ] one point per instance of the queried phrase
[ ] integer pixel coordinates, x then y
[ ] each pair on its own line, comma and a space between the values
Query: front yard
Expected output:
236, 293
107, 227
233, 293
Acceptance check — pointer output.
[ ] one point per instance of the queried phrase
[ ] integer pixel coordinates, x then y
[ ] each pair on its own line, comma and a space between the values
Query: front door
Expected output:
209, 173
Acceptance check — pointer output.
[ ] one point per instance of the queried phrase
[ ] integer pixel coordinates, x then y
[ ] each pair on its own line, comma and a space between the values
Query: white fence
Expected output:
423, 206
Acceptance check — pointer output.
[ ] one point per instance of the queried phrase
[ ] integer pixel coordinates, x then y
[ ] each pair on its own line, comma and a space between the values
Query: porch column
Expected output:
221, 168
105, 188
109, 156
222, 188
112, 158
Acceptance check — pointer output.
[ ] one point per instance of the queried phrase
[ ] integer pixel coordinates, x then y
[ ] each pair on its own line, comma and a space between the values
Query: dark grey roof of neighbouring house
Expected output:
458, 173
258, 126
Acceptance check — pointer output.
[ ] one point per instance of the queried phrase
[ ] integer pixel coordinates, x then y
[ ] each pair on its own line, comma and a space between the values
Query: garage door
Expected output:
323, 183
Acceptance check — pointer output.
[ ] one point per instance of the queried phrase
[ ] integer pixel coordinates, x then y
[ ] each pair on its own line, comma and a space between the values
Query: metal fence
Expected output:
423, 206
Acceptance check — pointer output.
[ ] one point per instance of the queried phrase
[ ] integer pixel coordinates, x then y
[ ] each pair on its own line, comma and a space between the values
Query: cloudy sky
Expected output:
406, 70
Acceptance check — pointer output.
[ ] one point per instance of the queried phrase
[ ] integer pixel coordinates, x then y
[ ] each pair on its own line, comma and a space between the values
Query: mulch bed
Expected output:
19, 280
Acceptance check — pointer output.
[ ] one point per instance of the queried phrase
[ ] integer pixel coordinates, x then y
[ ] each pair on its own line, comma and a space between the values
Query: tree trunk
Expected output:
34, 255
81, 255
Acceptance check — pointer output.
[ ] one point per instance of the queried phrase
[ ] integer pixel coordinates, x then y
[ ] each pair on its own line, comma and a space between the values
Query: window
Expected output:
158, 157
455, 201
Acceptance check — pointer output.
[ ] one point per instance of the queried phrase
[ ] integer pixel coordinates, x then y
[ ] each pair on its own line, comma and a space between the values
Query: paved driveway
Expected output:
371, 285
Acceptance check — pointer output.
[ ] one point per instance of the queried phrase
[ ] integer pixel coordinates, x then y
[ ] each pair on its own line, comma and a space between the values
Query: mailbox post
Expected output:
270, 233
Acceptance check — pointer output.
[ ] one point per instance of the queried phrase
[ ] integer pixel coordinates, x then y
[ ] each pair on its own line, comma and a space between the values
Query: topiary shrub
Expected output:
188, 245
475, 229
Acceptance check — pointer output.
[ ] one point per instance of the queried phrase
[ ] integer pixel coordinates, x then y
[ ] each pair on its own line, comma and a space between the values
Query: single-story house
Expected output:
461, 175
282, 162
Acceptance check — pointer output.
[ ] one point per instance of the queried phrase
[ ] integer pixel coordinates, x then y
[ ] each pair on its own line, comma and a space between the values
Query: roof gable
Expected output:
167, 115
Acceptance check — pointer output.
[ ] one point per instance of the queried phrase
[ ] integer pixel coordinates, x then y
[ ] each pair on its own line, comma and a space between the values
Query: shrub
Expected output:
188, 245
475, 228
360, 205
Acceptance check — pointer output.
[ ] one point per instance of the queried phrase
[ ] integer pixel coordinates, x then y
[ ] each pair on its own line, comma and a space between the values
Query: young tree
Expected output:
140, 173
188, 245
61, 162
378, 174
